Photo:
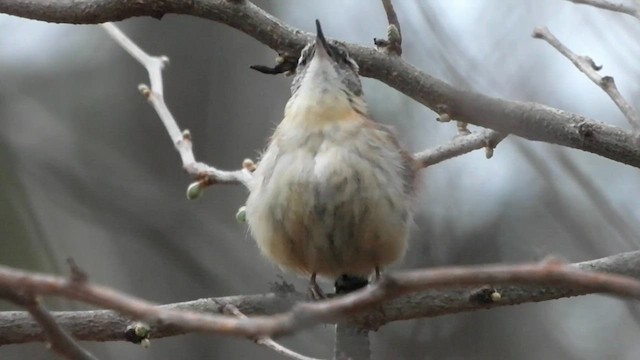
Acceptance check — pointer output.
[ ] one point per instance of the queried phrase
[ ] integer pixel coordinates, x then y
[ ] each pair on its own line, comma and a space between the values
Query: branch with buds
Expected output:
528, 120
399, 296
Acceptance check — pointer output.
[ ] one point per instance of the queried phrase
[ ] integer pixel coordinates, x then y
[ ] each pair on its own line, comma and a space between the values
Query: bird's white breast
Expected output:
330, 198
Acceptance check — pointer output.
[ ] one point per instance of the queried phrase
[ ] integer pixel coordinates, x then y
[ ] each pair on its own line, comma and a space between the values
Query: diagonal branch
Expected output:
587, 66
607, 5
529, 120
267, 341
58, 339
206, 174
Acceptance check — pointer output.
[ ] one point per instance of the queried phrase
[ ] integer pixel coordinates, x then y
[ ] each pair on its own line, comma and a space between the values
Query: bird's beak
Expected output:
321, 43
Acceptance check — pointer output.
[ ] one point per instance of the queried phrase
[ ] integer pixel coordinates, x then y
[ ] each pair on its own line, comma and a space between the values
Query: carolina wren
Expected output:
332, 194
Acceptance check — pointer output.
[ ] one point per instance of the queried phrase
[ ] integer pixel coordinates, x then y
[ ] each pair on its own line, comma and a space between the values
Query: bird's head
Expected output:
326, 76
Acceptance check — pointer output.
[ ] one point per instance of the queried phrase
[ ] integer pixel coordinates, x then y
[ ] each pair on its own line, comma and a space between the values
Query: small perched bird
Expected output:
332, 194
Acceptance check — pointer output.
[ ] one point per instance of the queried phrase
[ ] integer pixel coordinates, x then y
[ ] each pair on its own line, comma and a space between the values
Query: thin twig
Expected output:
460, 145
606, 5
394, 33
208, 175
59, 341
267, 341
586, 65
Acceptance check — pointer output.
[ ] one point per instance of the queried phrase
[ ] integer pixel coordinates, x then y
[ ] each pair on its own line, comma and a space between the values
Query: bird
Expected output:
333, 193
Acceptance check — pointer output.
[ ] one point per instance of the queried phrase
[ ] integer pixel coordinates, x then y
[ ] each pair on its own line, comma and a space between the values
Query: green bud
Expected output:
241, 215
393, 34
142, 330
195, 190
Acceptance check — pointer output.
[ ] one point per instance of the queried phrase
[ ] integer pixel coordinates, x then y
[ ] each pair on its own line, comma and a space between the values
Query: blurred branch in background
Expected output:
607, 5
266, 341
58, 339
589, 68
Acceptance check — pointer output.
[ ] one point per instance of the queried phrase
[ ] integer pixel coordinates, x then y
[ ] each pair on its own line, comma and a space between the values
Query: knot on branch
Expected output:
138, 333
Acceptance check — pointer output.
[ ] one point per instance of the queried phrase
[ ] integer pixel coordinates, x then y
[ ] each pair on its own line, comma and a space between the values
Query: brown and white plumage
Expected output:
332, 194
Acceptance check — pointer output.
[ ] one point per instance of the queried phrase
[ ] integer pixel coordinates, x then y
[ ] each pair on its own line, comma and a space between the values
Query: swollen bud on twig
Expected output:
241, 215
462, 128
443, 118
142, 330
249, 165
488, 152
195, 190
393, 34
137, 333
164, 59
144, 90
186, 134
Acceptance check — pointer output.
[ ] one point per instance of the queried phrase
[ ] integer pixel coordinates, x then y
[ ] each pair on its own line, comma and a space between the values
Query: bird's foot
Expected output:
315, 291
348, 283
378, 274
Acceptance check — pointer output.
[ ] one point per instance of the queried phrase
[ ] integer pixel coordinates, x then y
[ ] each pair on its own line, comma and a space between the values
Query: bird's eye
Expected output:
303, 58
305, 54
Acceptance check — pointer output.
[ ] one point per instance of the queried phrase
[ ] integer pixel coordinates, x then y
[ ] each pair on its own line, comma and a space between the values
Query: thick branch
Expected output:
529, 120
104, 325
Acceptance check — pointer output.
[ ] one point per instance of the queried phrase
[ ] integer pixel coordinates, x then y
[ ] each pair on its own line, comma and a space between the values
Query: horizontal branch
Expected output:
528, 120
459, 146
106, 325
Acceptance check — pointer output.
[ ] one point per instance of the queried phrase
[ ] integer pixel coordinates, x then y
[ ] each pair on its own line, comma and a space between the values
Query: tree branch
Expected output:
442, 291
59, 341
393, 43
267, 341
208, 175
606, 5
461, 145
529, 120
588, 67
205, 174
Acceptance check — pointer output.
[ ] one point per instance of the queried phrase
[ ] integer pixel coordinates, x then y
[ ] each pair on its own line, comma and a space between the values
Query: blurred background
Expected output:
88, 171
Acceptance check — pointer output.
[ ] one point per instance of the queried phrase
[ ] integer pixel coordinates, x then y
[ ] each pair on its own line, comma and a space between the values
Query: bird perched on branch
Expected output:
332, 194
